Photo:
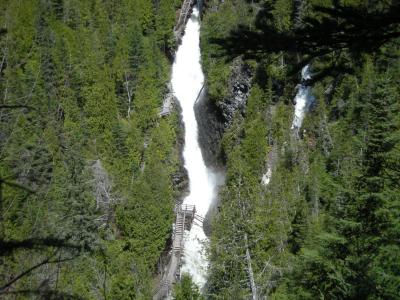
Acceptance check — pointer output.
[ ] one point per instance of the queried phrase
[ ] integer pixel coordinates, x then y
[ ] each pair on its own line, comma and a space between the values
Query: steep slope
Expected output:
89, 170
326, 222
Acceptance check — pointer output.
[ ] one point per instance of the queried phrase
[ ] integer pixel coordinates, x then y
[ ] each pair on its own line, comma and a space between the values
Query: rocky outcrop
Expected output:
215, 117
298, 13
210, 129
180, 179
239, 89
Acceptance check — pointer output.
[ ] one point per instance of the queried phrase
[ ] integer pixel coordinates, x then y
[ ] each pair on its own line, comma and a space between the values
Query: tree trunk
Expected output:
250, 271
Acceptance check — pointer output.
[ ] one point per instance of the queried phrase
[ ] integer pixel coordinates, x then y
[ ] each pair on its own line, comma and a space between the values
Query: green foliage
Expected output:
322, 226
69, 73
282, 14
219, 24
186, 289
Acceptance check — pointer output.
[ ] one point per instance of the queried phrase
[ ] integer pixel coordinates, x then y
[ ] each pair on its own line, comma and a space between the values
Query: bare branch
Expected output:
26, 272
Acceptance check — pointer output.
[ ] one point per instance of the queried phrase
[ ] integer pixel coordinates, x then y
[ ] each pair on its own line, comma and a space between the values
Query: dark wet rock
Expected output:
215, 117
210, 129
211, 213
181, 178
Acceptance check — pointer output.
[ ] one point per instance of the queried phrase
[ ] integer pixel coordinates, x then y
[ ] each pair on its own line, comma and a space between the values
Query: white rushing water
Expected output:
303, 100
187, 81
267, 176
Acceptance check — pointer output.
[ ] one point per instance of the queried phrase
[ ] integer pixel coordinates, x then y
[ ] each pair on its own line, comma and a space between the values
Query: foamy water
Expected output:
303, 100
187, 81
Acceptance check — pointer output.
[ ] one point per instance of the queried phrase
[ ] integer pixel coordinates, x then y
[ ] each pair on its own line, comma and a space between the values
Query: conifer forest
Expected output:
200, 149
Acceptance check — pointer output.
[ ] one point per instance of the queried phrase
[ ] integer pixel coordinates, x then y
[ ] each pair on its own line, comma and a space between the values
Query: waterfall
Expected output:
267, 176
187, 81
303, 99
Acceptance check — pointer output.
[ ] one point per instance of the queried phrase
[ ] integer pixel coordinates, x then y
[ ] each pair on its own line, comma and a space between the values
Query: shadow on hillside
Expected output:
340, 32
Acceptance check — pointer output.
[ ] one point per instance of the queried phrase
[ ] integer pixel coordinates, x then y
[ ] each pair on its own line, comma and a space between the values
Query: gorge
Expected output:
187, 81
207, 149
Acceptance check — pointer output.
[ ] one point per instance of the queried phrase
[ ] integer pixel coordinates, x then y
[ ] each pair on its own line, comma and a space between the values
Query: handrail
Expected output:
199, 218
181, 211
199, 94
191, 206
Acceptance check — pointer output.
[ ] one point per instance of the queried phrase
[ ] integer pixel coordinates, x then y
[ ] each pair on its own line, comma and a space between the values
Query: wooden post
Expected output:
183, 232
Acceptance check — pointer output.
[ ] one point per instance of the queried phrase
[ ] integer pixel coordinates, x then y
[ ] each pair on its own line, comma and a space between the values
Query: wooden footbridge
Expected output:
185, 217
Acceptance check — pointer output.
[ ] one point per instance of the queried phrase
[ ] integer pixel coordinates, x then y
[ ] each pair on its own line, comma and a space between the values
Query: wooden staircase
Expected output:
179, 231
185, 216
184, 213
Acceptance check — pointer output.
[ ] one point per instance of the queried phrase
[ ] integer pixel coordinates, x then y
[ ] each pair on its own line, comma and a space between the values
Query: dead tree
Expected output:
102, 190
250, 270
129, 92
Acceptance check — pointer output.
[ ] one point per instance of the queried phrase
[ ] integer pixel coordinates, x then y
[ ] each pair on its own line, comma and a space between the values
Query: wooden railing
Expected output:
199, 218
183, 213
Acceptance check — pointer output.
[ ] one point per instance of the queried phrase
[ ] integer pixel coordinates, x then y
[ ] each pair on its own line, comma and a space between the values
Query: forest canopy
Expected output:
326, 223
87, 164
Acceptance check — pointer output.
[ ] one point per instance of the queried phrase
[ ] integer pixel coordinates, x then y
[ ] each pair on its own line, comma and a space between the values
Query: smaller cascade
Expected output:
266, 176
303, 100
271, 162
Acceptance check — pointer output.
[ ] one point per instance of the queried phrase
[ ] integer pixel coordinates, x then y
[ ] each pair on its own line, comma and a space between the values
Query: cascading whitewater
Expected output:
187, 81
303, 99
